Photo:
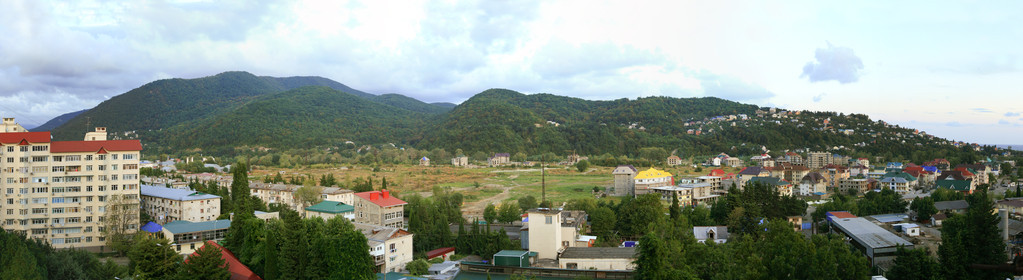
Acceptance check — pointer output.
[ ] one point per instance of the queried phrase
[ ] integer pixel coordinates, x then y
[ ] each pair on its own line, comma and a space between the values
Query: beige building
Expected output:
674, 160
625, 182
598, 258
460, 161
390, 247
186, 237
551, 231
861, 185
816, 160
63, 191
651, 178
285, 194
379, 208
425, 161
166, 205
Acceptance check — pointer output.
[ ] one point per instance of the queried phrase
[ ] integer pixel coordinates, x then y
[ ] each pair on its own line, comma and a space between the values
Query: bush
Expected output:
418, 267
436, 260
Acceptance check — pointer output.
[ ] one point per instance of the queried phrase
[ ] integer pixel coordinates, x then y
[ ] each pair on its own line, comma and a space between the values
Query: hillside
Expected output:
409, 103
58, 121
303, 117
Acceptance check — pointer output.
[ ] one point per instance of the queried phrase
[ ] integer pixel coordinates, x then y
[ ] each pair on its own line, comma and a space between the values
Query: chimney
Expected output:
374, 195
385, 193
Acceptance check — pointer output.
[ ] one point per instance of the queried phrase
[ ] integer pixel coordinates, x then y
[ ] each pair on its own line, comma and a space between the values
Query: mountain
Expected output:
303, 117
58, 121
409, 103
448, 105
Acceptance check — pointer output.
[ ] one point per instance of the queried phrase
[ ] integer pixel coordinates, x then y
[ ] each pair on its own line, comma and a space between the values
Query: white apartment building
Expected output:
166, 205
390, 247
62, 191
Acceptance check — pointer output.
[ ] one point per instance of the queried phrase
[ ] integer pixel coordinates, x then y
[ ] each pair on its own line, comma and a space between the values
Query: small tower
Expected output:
99, 135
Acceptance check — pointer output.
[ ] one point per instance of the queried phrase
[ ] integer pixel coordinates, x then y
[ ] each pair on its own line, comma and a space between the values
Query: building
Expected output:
237, 269
717, 234
166, 205
598, 258
390, 247
793, 158
460, 161
285, 194
1013, 206
625, 183
748, 173
789, 172
954, 206
817, 160
550, 231
379, 208
897, 184
733, 162
651, 178
875, 242
861, 185
62, 191
812, 183
329, 209
425, 161
187, 236
965, 186
684, 195
674, 160
835, 173
783, 187
499, 159
442, 253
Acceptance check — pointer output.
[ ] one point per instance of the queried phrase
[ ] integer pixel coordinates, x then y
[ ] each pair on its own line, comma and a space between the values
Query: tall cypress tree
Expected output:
674, 211
207, 263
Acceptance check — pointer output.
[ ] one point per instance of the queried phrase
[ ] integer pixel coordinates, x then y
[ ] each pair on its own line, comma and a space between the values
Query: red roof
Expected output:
439, 252
841, 214
717, 172
238, 270
95, 146
30, 137
382, 198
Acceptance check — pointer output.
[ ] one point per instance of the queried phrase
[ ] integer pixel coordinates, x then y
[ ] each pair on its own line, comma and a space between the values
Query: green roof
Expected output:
332, 207
956, 185
904, 175
772, 181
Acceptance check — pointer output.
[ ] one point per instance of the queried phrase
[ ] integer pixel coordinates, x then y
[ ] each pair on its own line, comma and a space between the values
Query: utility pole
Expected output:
543, 180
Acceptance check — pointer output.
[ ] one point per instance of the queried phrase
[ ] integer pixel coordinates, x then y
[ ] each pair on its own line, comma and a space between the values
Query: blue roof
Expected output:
152, 227
182, 226
890, 218
174, 194
931, 168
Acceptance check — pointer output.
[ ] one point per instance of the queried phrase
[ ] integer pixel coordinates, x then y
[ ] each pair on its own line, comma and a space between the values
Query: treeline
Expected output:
23, 258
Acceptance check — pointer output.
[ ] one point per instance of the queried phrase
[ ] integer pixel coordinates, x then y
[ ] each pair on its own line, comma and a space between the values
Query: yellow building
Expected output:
651, 178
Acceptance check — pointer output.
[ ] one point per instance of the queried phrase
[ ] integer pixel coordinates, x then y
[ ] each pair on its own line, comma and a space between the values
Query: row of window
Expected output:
70, 189
62, 179
37, 148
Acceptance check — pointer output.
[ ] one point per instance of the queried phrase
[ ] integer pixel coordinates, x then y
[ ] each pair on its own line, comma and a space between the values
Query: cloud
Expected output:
818, 98
1003, 122
953, 124
981, 110
833, 64
1011, 114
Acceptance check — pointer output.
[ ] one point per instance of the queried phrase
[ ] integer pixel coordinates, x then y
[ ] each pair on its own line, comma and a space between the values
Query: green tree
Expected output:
207, 263
527, 202
915, 264
309, 195
972, 238
16, 261
582, 165
924, 208
884, 202
153, 258
602, 222
508, 212
674, 211
418, 267
490, 213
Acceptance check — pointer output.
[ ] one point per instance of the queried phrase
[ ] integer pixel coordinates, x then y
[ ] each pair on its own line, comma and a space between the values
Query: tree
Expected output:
418, 267
153, 258
508, 212
582, 165
885, 202
674, 211
207, 263
490, 213
527, 202
924, 208
119, 222
602, 222
972, 238
309, 195
914, 264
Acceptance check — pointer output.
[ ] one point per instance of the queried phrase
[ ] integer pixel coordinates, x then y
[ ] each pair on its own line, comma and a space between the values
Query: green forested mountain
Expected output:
58, 121
219, 113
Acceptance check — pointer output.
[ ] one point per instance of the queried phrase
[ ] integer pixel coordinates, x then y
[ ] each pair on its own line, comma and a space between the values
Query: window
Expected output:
23, 159
38, 221
58, 210
113, 156
129, 156
130, 166
57, 169
39, 200
58, 189
39, 158
39, 231
10, 159
10, 211
101, 157
113, 167
10, 190
57, 179
88, 157
39, 169
58, 200
58, 158
24, 148
73, 158
549, 219
10, 148
113, 177
38, 210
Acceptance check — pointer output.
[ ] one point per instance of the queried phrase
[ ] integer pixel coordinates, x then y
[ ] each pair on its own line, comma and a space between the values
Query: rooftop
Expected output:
599, 253
182, 226
382, 198
95, 146
869, 234
951, 205
333, 207
174, 194
652, 173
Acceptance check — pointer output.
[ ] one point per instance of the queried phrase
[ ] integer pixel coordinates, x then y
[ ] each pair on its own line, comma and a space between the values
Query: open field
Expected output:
479, 186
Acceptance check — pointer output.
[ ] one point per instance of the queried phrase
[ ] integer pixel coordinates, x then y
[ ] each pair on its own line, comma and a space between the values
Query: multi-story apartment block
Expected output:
390, 247
651, 178
69, 193
166, 205
551, 231
816, 160
285, 194
379, 208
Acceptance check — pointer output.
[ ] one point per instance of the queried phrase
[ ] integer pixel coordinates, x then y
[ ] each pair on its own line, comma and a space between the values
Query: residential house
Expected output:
674, 160
379, 208
390, 247
940, 163
759, 159
460, 161
424, 161
733, 162
965, 186
329, 209
954, 206
684, 195
898, 184
936, 219
624, 180
716, 234
598, 258
499, 159
861, 185
817, 160
285, 194
796, 222
1013, 206
794, 158
813, 183
789, 172
748, 173
651, 178
783, 186
911, 182
551, 231
859, 170
863, 161
835, 173
167, 205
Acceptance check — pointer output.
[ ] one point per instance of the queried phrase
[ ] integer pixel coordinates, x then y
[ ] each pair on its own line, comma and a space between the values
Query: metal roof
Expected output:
890, 218
869, 234
511, 253
599, 253
951, 205
175, 194
182, 226
332, 207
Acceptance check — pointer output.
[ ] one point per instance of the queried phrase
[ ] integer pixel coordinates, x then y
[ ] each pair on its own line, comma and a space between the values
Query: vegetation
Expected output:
207, 264
972, 238
886, 201
22, 258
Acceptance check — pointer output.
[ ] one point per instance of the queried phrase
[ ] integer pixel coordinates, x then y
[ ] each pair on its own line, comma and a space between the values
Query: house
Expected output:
813, 182
390, 247
424, 161
674, 160
285, 194
716, 234
936, 219
167, 205
237, 269
863, 161
910, 181
894, 165
442, 253
789, 172
733, 162
796, 222
861, 185
759, 159
551, 231
835, 173
684, 195
624, 180
793, 158
897, 184
329, 209
954, 206
1013, 206
783, 187
909, 229
187, 236
817, 160
748, 173
460, 161
379, 208
598, 258
651, 178
877, 243
499, 159
688, 194
965, 186
940, 163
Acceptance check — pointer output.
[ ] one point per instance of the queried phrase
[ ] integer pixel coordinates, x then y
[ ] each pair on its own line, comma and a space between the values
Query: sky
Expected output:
950, 68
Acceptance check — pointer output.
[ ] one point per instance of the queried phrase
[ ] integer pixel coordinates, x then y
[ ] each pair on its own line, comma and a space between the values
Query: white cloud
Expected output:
833, 64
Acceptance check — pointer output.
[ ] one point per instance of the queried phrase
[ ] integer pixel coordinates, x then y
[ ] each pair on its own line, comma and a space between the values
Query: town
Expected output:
190, 216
